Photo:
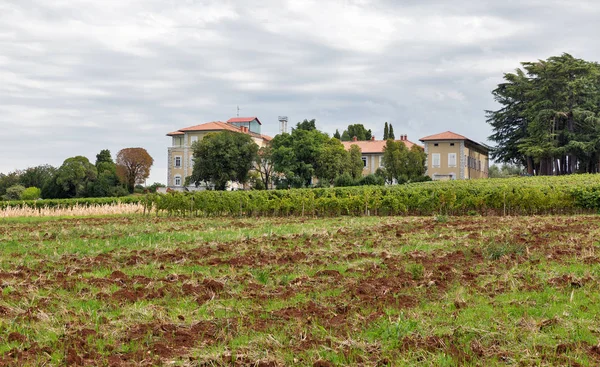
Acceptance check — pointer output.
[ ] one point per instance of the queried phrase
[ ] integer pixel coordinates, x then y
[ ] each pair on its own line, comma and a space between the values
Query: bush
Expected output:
371, 180
14, 192
31, 193
345, 180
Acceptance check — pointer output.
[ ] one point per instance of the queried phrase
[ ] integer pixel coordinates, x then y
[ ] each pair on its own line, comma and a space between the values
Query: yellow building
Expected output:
180, 153
372, 152
451, 156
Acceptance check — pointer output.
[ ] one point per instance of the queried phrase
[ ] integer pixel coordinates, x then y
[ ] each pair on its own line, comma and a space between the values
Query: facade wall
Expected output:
469, 161
374, 161
182, 147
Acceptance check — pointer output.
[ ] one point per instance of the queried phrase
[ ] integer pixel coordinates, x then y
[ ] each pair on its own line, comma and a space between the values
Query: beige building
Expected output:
451, 156
372, 152
180, 153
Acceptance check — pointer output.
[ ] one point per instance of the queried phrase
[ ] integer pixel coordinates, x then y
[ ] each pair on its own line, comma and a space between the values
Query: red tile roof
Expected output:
374, 146
217, 126
448, 135
244, 119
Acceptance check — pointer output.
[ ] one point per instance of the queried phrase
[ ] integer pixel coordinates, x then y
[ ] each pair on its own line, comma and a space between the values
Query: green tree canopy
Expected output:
549, 120
223, 157
296, 155
386, 131
337, 135
308, 125
332, 161
355, 164
357, 130
37, 176
401, 164
74, 176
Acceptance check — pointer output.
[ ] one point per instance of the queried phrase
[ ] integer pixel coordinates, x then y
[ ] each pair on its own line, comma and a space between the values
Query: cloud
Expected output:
79, 76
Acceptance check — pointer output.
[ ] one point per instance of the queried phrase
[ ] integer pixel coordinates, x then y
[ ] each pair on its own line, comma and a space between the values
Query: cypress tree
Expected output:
386, 131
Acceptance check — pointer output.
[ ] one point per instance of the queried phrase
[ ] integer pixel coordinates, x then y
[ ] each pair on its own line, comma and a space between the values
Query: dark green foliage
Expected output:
386, 131
152, 188
391, 132
14, 192
74, 176
296, 155
358, 131
8, 180
345, 180
307, 125
37, 176
403, 165
355, 163
549, 121
337, 135
223, 157
372, 180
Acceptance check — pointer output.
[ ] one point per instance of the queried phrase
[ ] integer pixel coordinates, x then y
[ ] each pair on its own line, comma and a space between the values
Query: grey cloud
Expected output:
84, 76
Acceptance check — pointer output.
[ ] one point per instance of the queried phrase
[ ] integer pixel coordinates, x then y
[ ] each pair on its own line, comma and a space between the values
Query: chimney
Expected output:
354, 138
373, 138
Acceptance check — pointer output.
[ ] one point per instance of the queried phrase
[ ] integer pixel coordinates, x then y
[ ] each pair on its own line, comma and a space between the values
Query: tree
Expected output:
416, 163
549, 121
295, 155
391, 132
506, 170
386, 131
355, 164
308, 125
8, 180
332, 160
358, 131
14, 192
37, 176
74, 176
402, 164
337, 135
395, 161
133, 165
31, 193
264, 165
223, 157
107, 183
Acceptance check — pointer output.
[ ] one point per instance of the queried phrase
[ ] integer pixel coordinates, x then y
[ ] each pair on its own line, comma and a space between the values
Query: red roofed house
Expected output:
372, 152
180, 153
451, 156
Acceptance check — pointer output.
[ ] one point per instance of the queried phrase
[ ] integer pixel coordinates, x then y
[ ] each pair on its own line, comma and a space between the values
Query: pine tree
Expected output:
337, 135
386, 131
391, 133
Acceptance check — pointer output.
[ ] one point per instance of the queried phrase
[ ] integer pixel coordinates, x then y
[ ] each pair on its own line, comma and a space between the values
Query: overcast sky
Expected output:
78, 76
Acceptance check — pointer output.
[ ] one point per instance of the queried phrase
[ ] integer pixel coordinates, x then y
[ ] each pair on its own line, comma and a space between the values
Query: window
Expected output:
451, 144
451, 159
178, 161
194, 139
364, 159
478, 165
192, 161
435, 144
178, 180
435, 159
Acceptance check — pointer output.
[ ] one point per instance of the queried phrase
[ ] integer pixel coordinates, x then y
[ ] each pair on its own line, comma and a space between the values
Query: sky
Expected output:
79, 76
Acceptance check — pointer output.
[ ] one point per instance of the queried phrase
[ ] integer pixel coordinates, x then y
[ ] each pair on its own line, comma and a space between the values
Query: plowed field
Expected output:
438, 291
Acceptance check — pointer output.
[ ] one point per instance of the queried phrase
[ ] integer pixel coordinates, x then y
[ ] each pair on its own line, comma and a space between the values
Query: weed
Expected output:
416, 270
495, 250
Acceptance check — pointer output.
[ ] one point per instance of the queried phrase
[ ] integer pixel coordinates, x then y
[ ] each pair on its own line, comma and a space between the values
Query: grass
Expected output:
372, 291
